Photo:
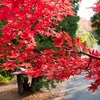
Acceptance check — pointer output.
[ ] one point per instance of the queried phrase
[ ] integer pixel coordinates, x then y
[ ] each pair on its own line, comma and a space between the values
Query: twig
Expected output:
89, 63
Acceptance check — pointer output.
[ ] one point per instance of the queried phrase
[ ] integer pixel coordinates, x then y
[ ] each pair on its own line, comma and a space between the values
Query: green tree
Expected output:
69, 24
95, 19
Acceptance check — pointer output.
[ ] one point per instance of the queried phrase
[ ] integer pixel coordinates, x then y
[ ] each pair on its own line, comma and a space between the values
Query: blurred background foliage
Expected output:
95, 19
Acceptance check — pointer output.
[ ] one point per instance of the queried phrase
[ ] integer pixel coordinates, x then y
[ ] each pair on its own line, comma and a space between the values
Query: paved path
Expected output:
76, 89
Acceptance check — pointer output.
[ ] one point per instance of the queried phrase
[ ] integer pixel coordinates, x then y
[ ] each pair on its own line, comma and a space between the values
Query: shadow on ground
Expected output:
10, 92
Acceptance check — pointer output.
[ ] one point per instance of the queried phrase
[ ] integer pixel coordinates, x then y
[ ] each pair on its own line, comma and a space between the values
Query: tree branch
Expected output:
90, 55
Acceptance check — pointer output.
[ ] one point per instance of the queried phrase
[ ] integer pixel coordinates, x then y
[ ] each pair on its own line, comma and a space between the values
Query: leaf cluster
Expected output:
42, 82
5, 76
69, 25
44, 42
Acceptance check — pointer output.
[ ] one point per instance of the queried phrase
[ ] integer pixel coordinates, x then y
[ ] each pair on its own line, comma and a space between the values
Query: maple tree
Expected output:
24, 21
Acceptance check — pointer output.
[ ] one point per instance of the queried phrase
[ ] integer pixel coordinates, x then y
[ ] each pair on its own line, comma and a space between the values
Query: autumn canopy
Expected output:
24, 20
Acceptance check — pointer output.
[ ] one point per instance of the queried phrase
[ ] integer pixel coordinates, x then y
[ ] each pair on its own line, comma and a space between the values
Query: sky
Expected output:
84, 10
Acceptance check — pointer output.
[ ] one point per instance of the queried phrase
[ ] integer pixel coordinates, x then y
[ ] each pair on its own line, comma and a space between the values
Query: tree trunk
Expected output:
20, 84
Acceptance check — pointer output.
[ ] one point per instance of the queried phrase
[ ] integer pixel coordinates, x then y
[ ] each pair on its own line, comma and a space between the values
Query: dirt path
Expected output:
10, 92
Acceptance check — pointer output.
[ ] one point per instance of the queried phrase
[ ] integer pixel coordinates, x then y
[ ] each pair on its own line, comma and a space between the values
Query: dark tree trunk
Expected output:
20, 84
24, 85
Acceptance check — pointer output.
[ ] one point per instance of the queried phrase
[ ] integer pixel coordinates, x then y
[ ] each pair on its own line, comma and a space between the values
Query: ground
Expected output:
10, 92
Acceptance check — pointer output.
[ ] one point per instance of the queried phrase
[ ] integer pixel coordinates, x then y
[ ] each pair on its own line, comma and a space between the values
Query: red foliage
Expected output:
25, 19
96, 8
